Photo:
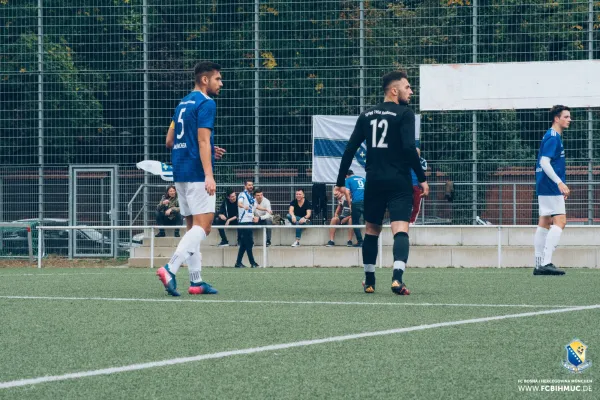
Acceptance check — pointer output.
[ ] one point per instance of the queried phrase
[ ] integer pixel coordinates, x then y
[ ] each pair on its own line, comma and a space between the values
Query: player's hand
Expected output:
165, 202
227, 222
210, 185
339, 191
168, 212
302, 220
219, 152
293, 220
564, 189
255, 220
425, 187
223, 218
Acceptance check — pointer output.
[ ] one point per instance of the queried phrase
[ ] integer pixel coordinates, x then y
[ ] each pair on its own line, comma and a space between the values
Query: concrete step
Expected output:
418, 235
420, 256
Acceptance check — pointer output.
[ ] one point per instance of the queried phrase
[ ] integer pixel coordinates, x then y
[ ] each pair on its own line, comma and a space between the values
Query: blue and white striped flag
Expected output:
330, 137
157, 168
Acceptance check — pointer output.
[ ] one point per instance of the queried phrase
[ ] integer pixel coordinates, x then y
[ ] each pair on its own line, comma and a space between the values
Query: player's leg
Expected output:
199, 209
375, 206
334, 221
400, 206
357, 211
416, 207
539, 239
555, 207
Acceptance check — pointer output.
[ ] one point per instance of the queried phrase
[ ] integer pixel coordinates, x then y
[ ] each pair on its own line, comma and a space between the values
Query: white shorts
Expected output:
551, 205
193, 198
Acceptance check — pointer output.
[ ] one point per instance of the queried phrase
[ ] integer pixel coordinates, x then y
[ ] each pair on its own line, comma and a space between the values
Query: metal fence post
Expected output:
499, 246
264, 229
30, 244
40, 111
151, 247
40, 241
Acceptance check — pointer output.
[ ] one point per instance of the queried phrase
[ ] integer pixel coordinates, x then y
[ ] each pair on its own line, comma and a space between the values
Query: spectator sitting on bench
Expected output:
342, 217
299, 213
167, 211
227, 215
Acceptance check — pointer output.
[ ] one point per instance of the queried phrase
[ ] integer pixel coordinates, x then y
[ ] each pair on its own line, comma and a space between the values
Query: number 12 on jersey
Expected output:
382, 124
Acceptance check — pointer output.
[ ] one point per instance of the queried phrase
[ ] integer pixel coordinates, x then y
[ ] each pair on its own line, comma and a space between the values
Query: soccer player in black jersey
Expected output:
389, 132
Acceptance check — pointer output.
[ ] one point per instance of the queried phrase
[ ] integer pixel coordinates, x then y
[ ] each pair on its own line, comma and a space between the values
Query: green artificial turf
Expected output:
486, 360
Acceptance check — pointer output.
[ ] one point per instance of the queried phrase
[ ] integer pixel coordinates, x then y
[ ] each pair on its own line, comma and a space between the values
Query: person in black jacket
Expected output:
227, 215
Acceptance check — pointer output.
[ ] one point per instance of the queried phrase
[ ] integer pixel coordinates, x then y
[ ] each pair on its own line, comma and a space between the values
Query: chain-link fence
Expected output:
94, 83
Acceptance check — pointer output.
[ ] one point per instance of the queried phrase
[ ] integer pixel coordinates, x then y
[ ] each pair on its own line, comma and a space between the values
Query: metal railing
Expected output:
152, 228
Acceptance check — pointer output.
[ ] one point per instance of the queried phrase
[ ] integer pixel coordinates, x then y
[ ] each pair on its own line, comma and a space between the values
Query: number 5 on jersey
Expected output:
382, 124
180, 121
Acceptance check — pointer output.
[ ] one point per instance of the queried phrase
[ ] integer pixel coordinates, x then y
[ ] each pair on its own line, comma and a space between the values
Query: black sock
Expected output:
369, 278
369, 249
397, 275
401, 247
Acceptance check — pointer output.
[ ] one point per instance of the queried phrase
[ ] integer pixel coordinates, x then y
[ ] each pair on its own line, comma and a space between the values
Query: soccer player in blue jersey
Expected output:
550, 175
191, 138
355, 185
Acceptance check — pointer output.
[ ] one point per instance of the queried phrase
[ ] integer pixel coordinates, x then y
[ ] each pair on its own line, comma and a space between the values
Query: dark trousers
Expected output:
218, 221
266, 222
358, 210
162, 219
246, 243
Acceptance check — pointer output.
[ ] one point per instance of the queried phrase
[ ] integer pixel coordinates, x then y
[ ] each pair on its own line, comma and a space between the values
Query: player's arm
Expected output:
171, 136
409, 149
206, 159
206, 122
357, 137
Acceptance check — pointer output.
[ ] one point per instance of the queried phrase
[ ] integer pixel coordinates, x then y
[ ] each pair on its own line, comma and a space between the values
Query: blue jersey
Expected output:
551, 147
196, 110
356, 184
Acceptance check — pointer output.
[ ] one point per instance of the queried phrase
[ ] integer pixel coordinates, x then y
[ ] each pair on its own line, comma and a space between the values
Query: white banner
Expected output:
330, 137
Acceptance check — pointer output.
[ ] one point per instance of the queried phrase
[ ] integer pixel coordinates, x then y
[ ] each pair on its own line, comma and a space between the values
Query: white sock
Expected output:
551, 243
400, 265
539, 241
189, 244
194, 263
369, 267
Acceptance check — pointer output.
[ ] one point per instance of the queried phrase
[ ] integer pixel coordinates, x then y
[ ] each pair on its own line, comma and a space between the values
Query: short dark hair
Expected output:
247, 180
300, 190
556, 110
229, 192
392, 77
257, 191
203, 68
350, 172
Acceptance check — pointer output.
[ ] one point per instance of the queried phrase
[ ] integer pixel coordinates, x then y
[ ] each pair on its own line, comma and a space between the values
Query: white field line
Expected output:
282, 346
338, 303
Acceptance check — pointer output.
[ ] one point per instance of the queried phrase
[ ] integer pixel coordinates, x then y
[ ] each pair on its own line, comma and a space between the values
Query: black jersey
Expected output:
389, 132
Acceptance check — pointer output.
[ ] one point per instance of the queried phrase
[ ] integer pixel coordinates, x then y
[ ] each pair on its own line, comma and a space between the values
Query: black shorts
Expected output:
397, 199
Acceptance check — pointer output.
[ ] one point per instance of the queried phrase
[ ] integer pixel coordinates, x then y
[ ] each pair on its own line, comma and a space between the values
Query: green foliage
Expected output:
307, 62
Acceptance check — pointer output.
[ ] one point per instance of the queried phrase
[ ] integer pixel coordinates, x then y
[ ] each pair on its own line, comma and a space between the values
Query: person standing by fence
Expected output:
246, 208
